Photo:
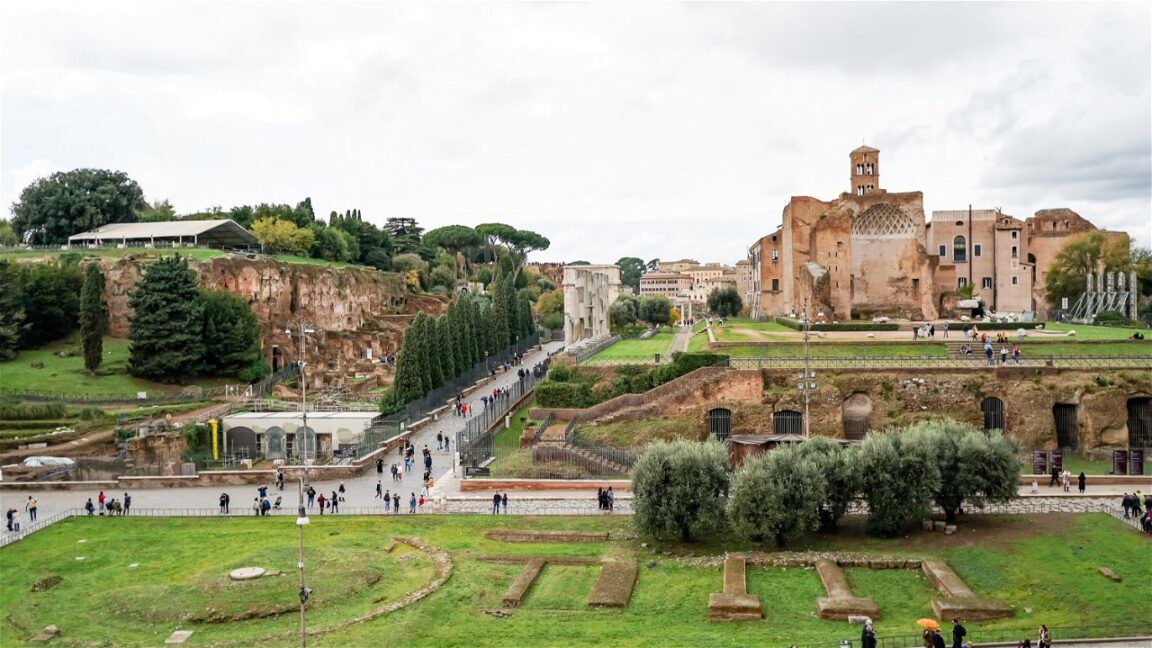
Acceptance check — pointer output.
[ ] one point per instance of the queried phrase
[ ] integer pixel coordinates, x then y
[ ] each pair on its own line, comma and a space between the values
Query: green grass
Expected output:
635, 348
68, 376
181, 581
1086, 332
837, 350
1095, 349
507, 440
640, 433
200, 254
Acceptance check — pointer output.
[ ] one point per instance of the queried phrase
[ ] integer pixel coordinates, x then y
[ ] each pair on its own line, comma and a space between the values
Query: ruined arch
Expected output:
275, 437
787, 422
1140, 421
720, 423
992, 410
242, 442
855, 412
1064, 416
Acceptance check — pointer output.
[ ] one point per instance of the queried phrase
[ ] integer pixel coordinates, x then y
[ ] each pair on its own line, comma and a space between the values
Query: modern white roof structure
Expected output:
217, 233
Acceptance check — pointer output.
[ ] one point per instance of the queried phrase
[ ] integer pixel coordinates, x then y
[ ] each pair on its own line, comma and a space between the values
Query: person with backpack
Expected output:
958, 632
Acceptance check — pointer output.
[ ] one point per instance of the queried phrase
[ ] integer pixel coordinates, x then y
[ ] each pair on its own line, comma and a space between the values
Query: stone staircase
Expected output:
634, 406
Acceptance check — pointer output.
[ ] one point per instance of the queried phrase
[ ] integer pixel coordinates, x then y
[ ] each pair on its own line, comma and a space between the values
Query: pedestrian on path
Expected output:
30, 507
89, 506
396, 503
127, 503
311, 496
321, 501
496, 504
100, 499
387, 501
1082, 481
412, 504
504, 502
379, 490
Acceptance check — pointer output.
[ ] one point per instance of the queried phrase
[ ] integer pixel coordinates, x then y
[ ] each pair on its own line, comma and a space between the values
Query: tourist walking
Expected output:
958, 632
89, 506
10, 519
1081, 481
387, 501
255, 506
1045, 638
127, 503
496, 504
322, 502
396, 503
100, 500
1066, 480
379, 490
380, 466
223, 503
334, 503
504, 502
30, 507
867, 635
412, 503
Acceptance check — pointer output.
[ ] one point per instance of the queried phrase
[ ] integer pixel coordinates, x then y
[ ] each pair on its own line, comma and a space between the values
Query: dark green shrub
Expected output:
560, 373
30, 412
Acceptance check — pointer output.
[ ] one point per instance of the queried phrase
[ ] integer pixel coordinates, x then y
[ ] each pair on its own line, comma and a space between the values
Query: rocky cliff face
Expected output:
358, 314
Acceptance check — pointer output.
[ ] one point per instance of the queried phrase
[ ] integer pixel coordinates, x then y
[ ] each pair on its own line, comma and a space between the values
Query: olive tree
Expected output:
899, 477
776, 495
679, 488
975, 466
838, 466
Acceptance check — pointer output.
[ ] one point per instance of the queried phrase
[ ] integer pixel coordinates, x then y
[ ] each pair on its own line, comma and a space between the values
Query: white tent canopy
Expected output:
216, 233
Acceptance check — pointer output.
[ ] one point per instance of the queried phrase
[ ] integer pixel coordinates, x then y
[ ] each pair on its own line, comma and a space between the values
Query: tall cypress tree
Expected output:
167, 327
524, 316
444, 349
432, 366
93, 317
501, 314
409, 382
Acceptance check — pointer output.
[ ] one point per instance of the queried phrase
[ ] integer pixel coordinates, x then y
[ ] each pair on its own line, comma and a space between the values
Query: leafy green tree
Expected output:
405, 235
158, 211
494, 234
679, 488
93, 317
456, 239
898, 478
232, 338
333, 244
167, 324
838, 465
975, 466
631, 269
373, 244
551, 301
49, 294
11, 313
283, 234
776, 496
654, 309
69, 202
625, 311
1083, 254
8, 237
725, 302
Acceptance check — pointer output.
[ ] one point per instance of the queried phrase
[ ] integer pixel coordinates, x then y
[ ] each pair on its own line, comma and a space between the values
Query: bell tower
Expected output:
865, 163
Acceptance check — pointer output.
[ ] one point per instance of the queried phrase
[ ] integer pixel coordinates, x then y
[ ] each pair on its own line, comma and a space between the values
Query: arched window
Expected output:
993, 410
960, 249
788, 422
720, 423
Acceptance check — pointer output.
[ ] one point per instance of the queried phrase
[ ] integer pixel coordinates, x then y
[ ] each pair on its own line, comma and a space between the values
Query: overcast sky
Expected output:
639, 129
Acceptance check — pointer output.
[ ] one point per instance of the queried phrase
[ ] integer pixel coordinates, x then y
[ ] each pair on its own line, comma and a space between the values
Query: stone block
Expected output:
926, 525
734, 607
845, 607
1109, 574
734, 576
47, 634
950, 529
972, 608
938, 526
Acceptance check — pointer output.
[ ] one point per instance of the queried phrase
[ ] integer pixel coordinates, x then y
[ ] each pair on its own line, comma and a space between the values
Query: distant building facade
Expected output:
870, 251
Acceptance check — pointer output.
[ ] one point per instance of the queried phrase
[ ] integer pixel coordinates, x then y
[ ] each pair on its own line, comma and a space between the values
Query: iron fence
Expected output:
923, 362
475, 441
584, 353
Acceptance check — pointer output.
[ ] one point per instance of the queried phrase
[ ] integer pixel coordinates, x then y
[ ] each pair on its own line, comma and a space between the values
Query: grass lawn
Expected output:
640, 433
1045, 566
635, 348
509, 439
1086, 332
1098, 349
68, 376
834, 350
200, 254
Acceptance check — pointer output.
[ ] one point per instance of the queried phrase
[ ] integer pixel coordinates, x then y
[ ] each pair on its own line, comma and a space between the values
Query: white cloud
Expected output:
636, 129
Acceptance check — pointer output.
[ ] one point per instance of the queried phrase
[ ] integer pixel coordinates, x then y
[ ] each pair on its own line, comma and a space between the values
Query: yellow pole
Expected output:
214, 424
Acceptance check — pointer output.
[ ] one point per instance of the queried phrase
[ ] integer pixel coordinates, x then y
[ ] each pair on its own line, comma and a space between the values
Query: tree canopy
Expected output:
725, 302
777, 496
167, 327
69, 202
1081, 255
631, 269
679, 488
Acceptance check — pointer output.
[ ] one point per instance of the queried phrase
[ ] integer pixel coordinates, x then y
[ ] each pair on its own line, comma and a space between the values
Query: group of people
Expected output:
1064, 478
499, 500
606, 499
1141, 509
989, 353
106, 506
928, 330
498, 393
12, 516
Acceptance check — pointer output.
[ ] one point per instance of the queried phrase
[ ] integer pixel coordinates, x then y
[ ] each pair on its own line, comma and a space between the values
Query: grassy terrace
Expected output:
67, 375
180, 582
635, 348
199, 254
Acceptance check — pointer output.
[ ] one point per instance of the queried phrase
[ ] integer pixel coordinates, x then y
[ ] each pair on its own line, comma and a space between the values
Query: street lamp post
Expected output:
303, 329
808, 378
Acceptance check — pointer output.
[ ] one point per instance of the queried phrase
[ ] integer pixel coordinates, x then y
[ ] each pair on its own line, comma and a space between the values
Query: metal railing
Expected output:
475, 441
540, 430
976, 361
584, 353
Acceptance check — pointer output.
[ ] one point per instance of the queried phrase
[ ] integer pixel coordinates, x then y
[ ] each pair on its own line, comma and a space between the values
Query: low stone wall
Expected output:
477, 485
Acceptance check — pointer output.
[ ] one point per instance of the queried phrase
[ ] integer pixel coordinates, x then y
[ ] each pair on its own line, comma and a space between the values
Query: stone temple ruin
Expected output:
589, 291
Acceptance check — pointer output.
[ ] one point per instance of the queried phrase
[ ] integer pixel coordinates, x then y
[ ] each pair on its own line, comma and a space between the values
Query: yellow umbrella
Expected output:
927, 623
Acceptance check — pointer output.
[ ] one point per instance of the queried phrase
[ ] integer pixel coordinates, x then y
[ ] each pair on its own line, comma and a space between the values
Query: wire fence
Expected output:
475, 442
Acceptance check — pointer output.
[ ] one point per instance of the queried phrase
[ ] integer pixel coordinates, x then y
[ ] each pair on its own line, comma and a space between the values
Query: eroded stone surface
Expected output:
246, 573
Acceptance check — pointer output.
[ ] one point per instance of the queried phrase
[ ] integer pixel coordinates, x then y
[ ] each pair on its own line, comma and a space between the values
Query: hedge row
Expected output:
566, 387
